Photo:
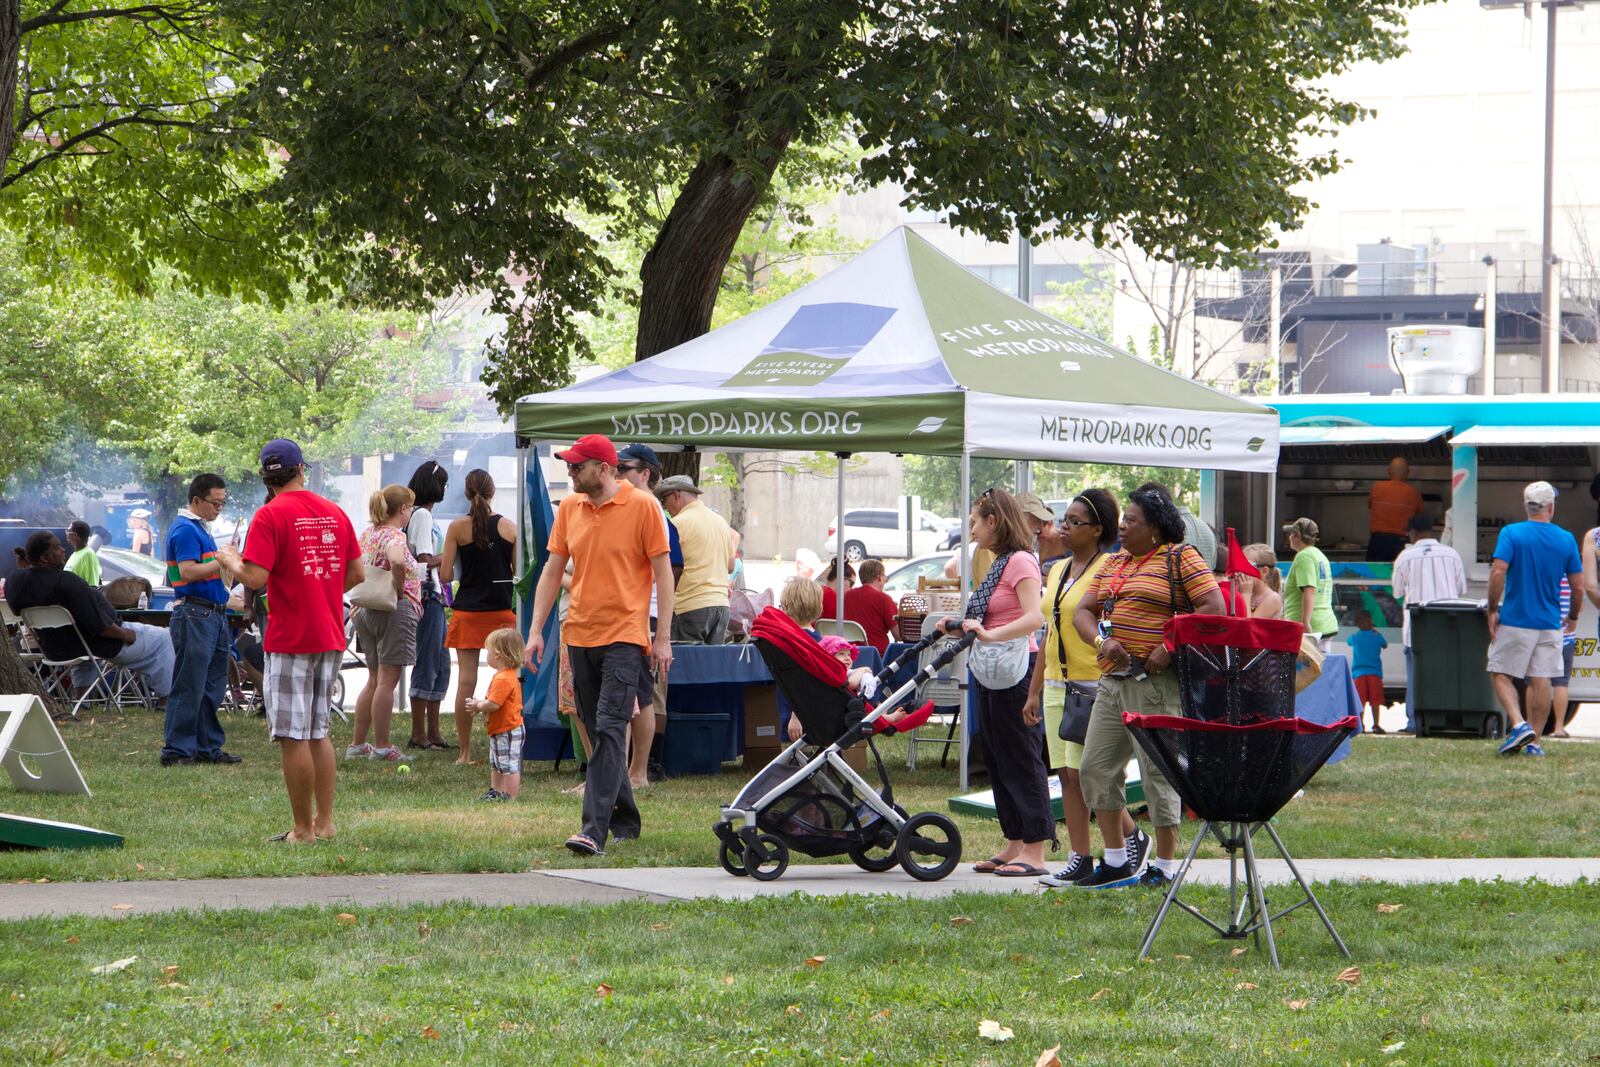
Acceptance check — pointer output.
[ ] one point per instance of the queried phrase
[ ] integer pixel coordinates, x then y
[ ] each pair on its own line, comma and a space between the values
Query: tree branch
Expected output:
143, 13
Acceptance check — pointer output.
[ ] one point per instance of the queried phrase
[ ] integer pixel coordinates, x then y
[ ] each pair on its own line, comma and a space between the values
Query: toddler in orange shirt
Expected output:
503, 706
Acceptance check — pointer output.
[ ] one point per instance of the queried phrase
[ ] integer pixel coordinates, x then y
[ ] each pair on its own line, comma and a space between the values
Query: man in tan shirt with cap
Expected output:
700, 608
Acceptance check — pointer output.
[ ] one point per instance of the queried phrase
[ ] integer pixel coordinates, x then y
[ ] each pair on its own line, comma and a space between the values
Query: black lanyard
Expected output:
1062, 587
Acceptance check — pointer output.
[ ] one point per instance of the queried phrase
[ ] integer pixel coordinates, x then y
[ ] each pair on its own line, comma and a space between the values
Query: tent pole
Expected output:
966, 584
838, 551
524, 445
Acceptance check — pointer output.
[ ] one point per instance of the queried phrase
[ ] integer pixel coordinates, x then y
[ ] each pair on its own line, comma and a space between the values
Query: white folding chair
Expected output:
850, 631
947, 689
115, 684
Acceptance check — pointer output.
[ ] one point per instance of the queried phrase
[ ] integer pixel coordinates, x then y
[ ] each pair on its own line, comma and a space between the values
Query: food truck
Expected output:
1470, 457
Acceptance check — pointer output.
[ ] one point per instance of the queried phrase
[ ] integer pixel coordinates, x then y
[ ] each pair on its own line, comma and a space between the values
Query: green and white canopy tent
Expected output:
904, 350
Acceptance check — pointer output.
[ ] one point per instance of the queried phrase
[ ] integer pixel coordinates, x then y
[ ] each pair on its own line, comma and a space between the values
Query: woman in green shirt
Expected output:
1308, 592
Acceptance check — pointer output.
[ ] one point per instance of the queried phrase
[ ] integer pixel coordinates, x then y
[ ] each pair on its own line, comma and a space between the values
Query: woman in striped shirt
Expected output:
1153, 578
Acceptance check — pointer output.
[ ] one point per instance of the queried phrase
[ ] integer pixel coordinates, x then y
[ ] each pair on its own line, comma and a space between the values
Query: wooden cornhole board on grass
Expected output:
32, 751
982, 804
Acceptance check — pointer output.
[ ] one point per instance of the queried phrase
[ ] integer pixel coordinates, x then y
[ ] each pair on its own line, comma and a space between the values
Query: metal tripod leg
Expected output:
1253, 877
1316, 905
1172, 892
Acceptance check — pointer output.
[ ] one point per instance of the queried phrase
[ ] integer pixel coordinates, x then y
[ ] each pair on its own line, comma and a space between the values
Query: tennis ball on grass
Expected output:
404, 768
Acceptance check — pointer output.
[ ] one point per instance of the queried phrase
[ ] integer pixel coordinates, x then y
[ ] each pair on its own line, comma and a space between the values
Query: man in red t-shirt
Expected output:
302, 549
871, 607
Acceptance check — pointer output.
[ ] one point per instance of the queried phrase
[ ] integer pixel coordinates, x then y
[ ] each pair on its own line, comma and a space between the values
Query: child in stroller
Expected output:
809, 799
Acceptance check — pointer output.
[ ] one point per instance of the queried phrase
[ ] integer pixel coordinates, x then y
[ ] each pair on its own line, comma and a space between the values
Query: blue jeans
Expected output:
200, 643
1411, 714
430, 677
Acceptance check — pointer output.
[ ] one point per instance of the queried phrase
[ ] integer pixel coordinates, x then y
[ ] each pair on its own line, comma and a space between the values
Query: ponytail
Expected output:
480, 490
387, 502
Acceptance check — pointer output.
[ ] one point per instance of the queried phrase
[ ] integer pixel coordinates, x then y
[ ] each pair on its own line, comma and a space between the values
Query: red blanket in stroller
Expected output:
774, 626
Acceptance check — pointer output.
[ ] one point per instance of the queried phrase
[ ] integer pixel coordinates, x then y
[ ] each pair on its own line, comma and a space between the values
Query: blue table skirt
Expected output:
1330, 698
710, 679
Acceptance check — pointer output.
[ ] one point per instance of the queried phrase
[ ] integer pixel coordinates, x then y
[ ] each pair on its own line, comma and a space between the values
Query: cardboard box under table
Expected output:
731, 680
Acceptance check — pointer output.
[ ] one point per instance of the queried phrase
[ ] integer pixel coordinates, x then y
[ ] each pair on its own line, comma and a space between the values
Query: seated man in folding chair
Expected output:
145, 650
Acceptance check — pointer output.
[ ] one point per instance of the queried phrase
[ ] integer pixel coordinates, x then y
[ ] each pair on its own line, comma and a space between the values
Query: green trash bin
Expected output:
1450, 677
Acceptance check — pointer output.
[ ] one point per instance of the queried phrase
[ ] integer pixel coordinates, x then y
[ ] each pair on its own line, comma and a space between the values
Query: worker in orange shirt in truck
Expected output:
1392, 505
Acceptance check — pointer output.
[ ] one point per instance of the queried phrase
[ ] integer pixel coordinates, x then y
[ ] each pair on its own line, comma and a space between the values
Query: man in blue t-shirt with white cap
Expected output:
1525, 620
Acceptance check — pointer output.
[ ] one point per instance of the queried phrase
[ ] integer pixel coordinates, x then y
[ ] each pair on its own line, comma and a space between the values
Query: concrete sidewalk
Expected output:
607, 885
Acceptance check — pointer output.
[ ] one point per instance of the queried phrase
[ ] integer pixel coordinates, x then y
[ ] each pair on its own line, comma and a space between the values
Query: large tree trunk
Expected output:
15, 677
10, 57
681, 273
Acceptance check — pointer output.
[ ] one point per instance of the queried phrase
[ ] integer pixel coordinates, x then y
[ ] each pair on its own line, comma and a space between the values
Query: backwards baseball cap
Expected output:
641, 454
590, 446
1541, 495
1306, 528
678, 483
280, 454
1032, 505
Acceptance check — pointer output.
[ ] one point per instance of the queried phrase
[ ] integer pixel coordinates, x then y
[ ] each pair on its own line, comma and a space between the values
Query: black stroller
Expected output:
816, 804
1236, 756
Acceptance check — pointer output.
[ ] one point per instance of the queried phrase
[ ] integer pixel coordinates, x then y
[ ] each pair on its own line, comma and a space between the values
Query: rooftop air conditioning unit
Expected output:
1436, 360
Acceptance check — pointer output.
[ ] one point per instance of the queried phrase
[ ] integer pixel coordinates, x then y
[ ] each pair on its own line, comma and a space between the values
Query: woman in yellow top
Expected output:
1090, 529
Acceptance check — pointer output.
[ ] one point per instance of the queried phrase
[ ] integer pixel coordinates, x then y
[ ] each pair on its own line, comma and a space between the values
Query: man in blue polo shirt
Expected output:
199, 630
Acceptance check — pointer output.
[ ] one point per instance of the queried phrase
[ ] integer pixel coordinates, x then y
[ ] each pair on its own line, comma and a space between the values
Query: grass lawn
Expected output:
1459, 974
1393, 797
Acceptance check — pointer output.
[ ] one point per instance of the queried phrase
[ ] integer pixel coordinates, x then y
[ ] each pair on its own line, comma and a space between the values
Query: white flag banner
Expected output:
1029, 428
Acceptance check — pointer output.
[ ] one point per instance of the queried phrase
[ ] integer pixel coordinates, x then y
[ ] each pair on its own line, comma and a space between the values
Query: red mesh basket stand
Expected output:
1236, 777
1234, 670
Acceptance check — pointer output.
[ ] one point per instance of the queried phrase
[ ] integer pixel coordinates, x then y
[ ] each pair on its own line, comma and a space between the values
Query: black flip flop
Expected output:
582, 845
282, 838
1028, 870
992, 861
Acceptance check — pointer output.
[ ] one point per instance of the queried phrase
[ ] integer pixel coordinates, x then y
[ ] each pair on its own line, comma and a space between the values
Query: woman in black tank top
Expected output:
485, 543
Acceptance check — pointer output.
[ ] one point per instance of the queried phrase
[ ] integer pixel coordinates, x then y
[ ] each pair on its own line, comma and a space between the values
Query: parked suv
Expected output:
881, 532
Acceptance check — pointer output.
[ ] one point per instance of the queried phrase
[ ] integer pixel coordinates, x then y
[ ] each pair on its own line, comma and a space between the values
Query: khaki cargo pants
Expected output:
1108, 744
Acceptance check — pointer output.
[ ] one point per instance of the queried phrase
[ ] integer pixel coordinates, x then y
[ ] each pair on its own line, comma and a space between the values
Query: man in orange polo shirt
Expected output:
1392, 505
614, 536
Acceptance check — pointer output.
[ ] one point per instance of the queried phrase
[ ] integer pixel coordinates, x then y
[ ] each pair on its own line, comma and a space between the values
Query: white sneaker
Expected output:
362, 751
388, 755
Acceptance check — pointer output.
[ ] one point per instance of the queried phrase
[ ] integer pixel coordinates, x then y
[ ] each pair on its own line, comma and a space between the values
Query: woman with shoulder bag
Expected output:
1153, 578
1065, 677
430, 679
387, 604
1004, 614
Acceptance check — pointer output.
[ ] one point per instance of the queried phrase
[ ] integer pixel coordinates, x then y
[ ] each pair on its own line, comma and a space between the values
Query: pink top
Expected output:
1004, 607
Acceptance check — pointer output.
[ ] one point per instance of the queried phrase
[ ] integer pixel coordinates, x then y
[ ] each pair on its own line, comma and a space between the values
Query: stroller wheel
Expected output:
732, 859
929, 846
767, 858
869, 857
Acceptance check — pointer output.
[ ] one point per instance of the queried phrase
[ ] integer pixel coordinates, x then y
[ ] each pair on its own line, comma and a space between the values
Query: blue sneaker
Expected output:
1521, 735
1155, 878
1106, 877
1532, 749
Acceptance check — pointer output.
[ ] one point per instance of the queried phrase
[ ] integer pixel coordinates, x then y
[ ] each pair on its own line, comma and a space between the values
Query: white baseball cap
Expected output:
1540, 495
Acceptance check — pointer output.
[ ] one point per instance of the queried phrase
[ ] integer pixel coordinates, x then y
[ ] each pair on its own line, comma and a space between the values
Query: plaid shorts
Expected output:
505, 751
299, 693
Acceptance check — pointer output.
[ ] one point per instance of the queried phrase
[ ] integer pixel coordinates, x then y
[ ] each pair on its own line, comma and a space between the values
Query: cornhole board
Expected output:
982, 804
19, 831
32, 751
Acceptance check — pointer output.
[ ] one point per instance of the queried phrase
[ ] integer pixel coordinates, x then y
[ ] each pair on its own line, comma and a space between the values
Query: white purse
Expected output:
999, 664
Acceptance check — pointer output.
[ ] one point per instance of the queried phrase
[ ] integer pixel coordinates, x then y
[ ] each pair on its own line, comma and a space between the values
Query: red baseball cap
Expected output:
590, 446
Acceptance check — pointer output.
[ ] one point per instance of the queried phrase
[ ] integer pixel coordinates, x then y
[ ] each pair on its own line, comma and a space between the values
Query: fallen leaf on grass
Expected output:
424, 930
1239, 951
793, 1009
73, 940
1048, 1058
1298, 1005
990, 1030
114, 966
960, 920
138, 866
1390, 1050
1183, 957
41, 881
1246, 985
122, 907
346, 919
1098, 993
660, 926
339, 860
1351, 975
1389, 909
727, 979
430, 1034
816, 961
884, 1014
170, 970
174, 985
603, 991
